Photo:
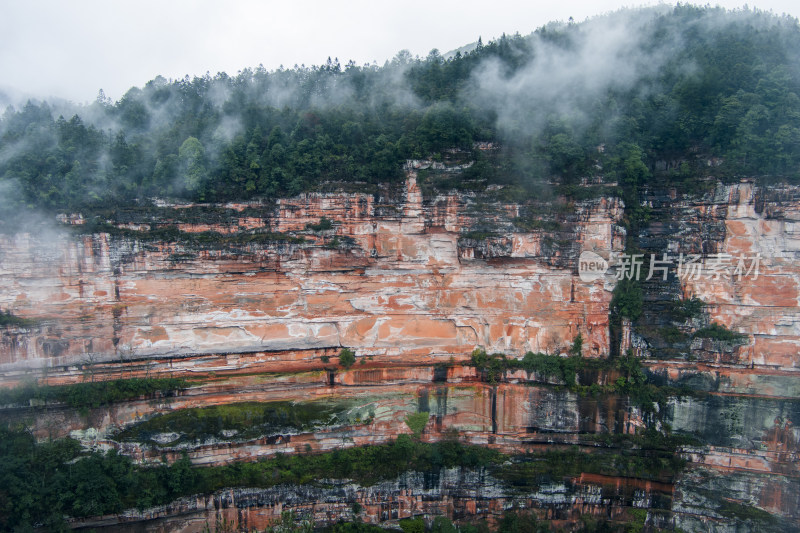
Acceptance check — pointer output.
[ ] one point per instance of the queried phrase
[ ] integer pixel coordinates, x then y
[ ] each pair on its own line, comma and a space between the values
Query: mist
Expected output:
556, 94
571, 69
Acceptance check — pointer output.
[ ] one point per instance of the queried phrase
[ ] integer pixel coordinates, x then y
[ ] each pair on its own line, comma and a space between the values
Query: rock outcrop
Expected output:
402, 286
259, 303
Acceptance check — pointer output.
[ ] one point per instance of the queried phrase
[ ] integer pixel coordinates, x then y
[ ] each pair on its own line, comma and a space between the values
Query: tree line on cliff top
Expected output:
636, 96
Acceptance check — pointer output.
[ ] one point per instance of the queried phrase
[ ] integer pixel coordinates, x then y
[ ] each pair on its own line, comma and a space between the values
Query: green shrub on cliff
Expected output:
627, 299
577, 346
416, 422
687, 308
442, 524
44, 482
548, 365
719, 332
347, 357
545, 365
323, 225
521, 522
412, 525
633, 382
532, 470
352, 527
7, 319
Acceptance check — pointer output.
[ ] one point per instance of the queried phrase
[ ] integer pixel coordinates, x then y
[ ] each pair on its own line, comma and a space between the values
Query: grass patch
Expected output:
533, 470
242, 421
740, 511
719, 332
9, 320
324, 224
417, 422
172, 234
672, 335
181, 257
537, 224
93, 394
478, 235
683, 310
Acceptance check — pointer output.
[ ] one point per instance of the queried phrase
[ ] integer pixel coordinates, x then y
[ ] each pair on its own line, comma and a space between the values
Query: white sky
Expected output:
73, 48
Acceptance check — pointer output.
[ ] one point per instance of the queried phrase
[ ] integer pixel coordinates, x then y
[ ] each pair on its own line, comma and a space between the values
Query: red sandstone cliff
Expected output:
401, 288
408, 285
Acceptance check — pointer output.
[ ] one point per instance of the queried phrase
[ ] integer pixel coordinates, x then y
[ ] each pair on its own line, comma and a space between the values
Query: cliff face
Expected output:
413, 287
398, 285
738, 227
458, 493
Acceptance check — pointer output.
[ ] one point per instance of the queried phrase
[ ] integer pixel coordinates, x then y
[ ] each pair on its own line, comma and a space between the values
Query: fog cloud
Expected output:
568, 73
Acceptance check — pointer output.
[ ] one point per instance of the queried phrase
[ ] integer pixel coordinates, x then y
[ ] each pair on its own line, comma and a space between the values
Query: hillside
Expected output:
667, 88
358, 298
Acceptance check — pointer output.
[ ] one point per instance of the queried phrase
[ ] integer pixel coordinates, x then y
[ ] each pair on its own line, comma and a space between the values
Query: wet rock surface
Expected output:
413, 285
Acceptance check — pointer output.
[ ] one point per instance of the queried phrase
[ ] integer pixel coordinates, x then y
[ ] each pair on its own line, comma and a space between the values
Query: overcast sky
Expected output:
73, 48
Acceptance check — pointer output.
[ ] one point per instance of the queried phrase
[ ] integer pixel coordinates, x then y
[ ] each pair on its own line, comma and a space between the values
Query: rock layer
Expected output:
399, 285
413, 286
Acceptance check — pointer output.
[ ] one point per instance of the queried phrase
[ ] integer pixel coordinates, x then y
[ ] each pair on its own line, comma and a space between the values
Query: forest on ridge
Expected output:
632, 97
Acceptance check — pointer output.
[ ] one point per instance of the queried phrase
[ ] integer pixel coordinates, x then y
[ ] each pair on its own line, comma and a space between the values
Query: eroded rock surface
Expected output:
413, 286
